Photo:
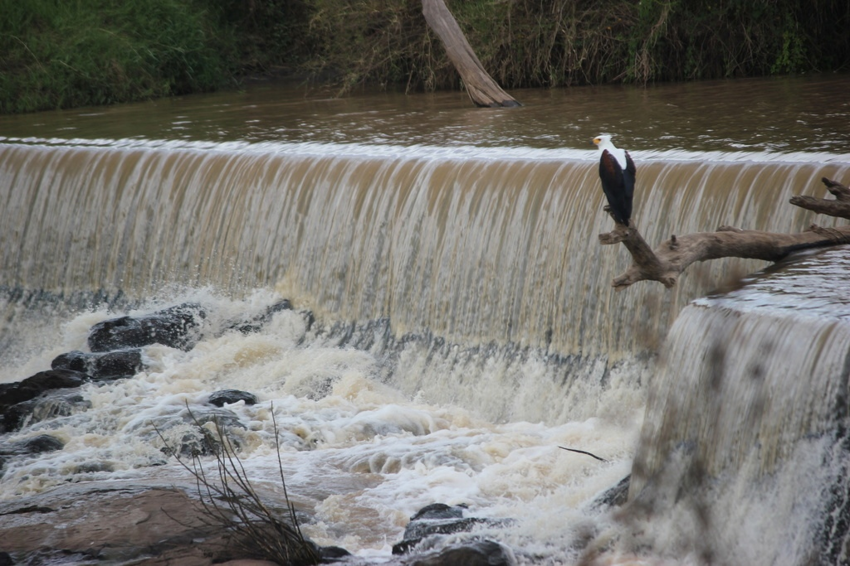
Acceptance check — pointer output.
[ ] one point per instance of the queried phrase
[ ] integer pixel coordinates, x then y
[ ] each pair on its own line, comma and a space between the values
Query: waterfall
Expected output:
471, 249
749, 406
476, 250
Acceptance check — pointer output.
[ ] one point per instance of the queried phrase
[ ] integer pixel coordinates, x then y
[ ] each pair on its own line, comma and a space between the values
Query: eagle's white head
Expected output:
603, 142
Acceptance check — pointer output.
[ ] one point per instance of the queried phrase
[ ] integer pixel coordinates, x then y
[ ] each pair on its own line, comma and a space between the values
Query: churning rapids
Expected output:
453, 324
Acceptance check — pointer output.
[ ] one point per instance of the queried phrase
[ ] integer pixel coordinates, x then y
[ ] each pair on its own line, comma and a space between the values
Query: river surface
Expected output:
781, 115
465, 328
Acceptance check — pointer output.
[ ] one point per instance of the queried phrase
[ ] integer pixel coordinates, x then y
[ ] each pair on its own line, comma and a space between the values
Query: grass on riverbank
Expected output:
59, 53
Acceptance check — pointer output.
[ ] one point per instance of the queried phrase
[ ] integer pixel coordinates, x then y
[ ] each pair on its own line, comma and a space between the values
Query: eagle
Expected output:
617, 173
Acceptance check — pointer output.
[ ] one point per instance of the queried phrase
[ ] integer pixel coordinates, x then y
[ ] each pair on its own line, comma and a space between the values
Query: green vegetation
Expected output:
549, 43
63, 53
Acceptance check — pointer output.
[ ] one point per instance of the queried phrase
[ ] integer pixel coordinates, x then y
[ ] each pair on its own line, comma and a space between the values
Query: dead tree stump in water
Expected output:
482, 89
666, 262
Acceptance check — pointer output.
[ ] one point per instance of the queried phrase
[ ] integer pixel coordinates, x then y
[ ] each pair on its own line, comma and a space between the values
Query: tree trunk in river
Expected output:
672, 257
482, 89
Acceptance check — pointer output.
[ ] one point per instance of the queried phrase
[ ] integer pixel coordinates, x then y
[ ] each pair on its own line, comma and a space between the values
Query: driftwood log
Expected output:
482, 89
666, 262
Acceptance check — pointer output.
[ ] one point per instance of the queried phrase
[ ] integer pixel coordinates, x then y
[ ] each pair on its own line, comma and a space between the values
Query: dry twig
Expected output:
230, 501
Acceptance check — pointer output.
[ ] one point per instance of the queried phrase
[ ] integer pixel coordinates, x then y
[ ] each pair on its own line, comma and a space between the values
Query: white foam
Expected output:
360, 457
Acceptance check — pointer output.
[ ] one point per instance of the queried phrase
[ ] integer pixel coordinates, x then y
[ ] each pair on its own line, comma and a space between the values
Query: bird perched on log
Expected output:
617, 173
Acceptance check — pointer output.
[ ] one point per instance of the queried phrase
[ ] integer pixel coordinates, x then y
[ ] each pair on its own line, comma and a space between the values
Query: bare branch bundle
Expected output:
230, 501
666, 262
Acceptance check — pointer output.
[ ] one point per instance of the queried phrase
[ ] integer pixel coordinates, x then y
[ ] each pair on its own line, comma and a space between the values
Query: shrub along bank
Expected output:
64, 53
550, 43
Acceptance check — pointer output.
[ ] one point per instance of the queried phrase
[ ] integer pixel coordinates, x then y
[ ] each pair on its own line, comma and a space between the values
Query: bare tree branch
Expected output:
666, 262
840, 207
583, 452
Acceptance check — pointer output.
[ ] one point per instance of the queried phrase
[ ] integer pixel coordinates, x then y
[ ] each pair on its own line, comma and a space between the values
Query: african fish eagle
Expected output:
617, 173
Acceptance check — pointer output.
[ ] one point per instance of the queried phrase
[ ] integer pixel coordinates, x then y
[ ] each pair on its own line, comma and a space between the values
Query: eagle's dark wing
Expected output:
614, 186
629, 185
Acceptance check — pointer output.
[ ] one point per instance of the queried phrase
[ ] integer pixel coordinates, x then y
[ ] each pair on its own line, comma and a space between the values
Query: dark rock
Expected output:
438, 519
6, 559
48, 405
476, 553
255, 324
59, 556
177, 327
93, 467
199, 441
614, 496
219, 398
439, 511
118, 364
35, 385
221, 417
309, 318
330, 554
34, 445
196, 442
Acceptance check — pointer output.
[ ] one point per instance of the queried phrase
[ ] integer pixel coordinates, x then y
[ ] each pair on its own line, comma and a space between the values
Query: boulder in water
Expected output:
438, 519
97, 366
331, 554
198, 440
475, 553
227, 396
256, 323
177, 327
34, 445
35, 385
12, 394
59, 403
614, 496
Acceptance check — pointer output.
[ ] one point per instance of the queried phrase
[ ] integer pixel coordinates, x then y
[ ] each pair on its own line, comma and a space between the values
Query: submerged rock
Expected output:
227, 396
35, 445
475, 553
197, 439
614, 496
35, 385
98, 366
256, 323
438, 519
177, 327
331, 554
48, 405
17, 399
